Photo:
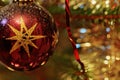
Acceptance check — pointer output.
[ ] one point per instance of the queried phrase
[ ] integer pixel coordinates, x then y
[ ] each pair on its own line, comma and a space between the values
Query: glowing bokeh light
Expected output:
83, 30
107, 29
4, 22
78, 45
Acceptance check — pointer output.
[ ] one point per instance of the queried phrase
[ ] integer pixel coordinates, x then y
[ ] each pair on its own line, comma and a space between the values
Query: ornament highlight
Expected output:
27, 35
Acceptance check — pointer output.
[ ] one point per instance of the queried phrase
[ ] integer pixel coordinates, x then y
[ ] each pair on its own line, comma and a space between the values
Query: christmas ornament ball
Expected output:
28, 35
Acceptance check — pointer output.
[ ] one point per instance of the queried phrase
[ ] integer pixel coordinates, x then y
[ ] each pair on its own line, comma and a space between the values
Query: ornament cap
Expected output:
22, 1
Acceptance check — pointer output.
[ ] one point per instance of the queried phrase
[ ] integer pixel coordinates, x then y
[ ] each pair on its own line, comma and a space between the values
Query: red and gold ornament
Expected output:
27, 35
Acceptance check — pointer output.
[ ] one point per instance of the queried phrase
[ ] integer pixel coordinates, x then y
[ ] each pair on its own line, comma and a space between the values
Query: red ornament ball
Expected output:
27, 36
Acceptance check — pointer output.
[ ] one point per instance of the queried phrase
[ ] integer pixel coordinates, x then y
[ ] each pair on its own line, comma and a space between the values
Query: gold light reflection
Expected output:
93, 2
108, 36
108, 57
97, 6
106, 78
107, 2
117, 58
86, 44
106, 62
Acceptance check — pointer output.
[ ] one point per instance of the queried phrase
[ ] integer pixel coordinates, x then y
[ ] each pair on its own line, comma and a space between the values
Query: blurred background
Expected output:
95, 26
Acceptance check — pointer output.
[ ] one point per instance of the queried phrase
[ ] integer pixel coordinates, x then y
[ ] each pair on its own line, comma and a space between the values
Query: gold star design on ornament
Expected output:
24, 37
55, 37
